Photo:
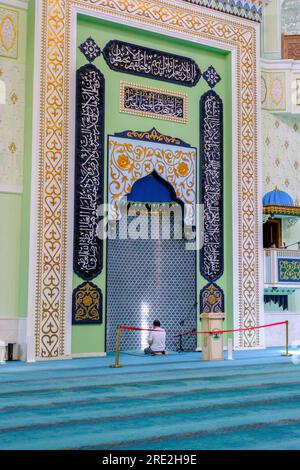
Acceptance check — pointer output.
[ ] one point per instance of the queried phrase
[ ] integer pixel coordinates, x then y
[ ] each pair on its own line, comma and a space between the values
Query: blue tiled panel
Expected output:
149, 279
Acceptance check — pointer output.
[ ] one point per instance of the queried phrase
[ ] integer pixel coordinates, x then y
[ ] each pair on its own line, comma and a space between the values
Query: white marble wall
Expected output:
275, 336
12, 73
280, 153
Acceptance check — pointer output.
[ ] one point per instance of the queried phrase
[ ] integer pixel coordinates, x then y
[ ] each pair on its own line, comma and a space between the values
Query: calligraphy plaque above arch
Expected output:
211, 187
159, 65
153, 102
89, 167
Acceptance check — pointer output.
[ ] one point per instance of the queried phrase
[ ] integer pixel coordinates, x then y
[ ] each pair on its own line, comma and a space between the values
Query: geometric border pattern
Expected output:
211, 299
249, 9
52, 192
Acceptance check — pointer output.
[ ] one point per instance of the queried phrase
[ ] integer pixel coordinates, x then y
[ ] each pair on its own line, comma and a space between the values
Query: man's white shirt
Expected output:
157, 339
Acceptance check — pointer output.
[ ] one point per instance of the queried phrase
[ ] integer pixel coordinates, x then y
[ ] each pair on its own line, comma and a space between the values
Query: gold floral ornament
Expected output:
12, 148
132, 159
87, 304
196, 22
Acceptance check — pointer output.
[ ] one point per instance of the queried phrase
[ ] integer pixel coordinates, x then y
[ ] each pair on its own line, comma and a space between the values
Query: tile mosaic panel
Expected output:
155, 279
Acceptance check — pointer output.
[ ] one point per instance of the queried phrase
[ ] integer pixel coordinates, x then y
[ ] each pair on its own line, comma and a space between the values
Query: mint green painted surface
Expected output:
91, 338
25, 216
11, 205
10, 228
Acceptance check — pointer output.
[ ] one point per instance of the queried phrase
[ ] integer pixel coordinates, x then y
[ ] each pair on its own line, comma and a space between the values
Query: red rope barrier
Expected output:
230, 331
134, 328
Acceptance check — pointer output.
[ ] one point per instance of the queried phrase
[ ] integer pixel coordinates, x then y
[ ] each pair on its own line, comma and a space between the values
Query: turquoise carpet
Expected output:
161, 403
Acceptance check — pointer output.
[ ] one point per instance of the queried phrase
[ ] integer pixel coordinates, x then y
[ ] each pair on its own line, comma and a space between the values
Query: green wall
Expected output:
90, 338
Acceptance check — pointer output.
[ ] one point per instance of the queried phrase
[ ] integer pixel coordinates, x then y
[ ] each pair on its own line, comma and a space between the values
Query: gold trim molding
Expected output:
198, 23
282, 210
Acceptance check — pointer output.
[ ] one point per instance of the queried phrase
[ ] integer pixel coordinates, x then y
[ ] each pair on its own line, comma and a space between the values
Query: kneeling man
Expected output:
156, 340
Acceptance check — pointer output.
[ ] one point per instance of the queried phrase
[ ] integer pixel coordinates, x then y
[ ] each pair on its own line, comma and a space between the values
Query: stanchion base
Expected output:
116, 366
286, 355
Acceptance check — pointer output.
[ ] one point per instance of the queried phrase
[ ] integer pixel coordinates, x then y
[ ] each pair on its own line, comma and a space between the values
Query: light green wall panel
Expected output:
116, 121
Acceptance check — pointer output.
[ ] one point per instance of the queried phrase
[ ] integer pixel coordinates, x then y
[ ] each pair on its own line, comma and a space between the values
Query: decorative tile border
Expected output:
53, 165
152, 102
89, 174
248, 9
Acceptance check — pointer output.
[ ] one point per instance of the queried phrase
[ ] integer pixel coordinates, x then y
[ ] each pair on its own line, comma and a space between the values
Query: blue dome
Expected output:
277, 197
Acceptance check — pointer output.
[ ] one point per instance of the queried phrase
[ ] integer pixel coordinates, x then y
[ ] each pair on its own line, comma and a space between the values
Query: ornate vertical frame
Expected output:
50, 270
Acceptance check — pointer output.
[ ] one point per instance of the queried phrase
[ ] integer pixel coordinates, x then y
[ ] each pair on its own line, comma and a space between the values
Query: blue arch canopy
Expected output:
152, 188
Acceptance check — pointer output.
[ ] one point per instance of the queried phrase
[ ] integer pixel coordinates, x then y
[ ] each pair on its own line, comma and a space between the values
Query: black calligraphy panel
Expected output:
211, 188
153, 102
131, 58
89, 183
